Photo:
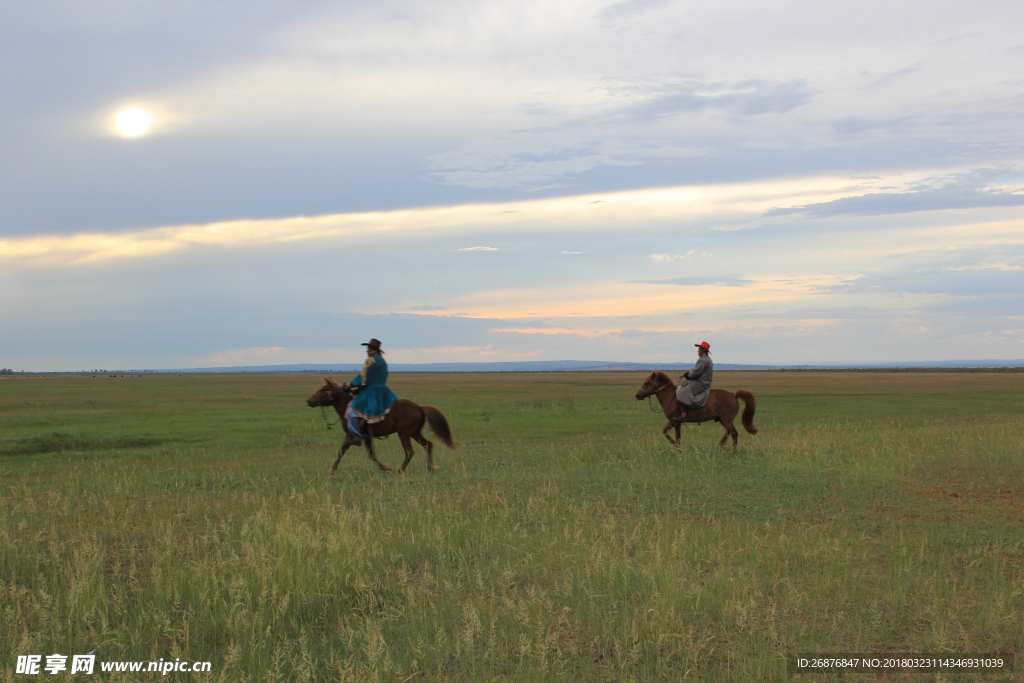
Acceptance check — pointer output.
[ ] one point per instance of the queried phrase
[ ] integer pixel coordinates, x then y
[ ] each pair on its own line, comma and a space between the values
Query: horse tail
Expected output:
750, 405
439, 425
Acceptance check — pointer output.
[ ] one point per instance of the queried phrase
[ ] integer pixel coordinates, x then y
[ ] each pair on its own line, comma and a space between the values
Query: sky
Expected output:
792, 181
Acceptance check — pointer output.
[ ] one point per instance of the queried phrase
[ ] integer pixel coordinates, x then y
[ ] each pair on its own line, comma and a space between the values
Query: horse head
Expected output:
328, 394
655, 382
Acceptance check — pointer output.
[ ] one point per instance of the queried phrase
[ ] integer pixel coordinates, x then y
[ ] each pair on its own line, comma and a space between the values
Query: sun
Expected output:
132, 123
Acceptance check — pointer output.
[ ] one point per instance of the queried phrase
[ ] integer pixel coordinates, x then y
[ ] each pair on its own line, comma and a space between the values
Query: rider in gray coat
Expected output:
695, 394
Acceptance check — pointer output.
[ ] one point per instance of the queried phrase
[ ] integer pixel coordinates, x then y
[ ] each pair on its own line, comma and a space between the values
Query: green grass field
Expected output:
192, 517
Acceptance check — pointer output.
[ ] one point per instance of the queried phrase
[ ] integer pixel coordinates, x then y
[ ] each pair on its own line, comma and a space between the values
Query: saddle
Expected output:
364, 428
685, 412
691, 415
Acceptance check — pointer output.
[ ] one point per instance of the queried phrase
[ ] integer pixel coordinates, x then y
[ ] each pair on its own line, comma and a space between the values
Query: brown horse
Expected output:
721, 406
405, 418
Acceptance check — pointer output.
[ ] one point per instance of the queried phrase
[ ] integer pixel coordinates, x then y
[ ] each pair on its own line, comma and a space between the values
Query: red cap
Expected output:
705, 346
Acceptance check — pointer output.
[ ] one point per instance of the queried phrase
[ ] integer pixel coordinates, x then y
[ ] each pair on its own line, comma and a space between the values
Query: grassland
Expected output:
192, 516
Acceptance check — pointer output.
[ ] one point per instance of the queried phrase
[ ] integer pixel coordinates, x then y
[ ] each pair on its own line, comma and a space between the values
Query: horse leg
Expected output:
726, 420
341, 452
409, 452
373, 454
725, 414
730, 430
664, 433
429, 446
721, 444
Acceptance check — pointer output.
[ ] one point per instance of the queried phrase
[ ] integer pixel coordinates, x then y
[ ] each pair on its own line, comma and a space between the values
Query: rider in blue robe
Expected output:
373, 399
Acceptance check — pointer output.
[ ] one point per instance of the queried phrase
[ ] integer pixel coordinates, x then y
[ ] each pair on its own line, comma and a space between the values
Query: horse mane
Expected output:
335, 387
662, 377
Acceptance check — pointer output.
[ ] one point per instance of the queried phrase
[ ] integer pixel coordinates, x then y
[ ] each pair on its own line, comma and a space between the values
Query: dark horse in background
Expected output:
405, 419
722, 406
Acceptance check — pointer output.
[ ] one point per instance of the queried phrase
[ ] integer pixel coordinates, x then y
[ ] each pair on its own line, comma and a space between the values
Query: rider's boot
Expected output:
352, 440
681, 416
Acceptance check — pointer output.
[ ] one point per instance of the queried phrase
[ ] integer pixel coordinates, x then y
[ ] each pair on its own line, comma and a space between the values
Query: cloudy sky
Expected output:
792, 181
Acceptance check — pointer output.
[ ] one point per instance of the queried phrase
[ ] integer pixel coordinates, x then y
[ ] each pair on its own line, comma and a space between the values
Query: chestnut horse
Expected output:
405, 418
721, 406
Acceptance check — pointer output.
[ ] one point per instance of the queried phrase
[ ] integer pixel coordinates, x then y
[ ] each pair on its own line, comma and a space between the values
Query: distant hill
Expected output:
588, 366
517, 366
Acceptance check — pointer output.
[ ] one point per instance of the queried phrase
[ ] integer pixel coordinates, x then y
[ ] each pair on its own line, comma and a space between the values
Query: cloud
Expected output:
553, 331
845, 313
752, 97
697, 281
990, 275
895, 75
535, 161
977, 309
962, 282
857, 125
616, 132
689, 255
607, 212
254, 356
631, 8
666, 258
964, 191
876, 204
599, 298
455, 354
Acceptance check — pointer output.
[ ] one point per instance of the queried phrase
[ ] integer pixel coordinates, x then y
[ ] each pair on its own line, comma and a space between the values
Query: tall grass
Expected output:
565, 540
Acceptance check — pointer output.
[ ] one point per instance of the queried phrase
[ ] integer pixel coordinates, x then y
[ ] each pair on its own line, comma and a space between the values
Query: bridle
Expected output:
323, 411
654, 392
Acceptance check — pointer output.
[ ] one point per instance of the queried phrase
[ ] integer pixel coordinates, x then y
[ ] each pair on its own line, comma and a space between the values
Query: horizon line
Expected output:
542, 366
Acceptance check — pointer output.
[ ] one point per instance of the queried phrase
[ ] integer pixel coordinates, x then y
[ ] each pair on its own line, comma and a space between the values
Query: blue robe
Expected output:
373, 398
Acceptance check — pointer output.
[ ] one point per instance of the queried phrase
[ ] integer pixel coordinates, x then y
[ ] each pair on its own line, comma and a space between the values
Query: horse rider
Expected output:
695, 394
372, 399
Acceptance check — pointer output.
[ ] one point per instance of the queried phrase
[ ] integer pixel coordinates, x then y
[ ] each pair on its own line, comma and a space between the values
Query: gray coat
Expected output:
695, 394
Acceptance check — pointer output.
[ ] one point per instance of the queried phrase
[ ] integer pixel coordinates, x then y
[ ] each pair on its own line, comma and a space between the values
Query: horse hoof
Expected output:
433, 468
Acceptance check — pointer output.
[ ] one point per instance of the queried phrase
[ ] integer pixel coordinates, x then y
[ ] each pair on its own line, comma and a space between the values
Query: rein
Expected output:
323, 412
654, 392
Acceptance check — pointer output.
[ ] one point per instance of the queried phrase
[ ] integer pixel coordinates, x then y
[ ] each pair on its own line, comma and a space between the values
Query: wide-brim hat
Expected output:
705, 346
373, 344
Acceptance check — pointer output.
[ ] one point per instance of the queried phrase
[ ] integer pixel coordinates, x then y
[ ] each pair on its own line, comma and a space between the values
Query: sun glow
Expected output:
133, 123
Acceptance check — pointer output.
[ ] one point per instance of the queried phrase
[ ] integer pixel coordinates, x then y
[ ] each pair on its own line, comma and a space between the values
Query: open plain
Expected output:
167, 516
